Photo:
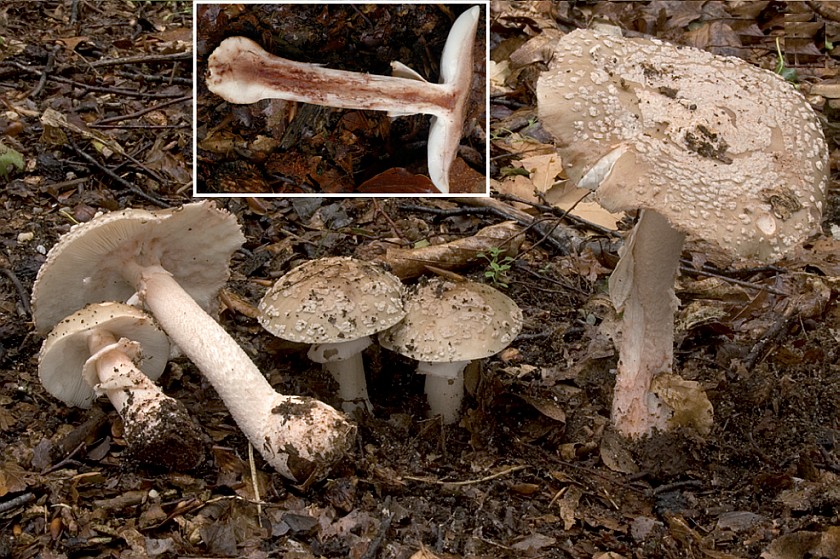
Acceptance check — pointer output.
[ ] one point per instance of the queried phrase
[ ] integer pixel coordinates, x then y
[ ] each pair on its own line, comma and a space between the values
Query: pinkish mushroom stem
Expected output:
642, 287
273, 422
130, 391
240, 71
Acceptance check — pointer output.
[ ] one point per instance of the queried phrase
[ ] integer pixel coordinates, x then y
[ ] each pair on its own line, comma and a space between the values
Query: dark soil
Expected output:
533, 468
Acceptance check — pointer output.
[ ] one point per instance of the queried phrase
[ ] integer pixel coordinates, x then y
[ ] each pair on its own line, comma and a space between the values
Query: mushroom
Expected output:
118, 350
335, 304
241, 71
154, 254
708, 148
447, 325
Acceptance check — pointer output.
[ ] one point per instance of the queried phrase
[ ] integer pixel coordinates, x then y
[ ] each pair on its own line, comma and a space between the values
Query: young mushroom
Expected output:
241, 71
711, 150
447, 325
153, 254
118, 350
335, 304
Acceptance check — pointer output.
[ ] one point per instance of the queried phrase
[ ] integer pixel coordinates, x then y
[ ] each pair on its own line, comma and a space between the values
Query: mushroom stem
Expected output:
241, 71
299, 436
120, 380
642, 286
444, 388
158, 429
344, 362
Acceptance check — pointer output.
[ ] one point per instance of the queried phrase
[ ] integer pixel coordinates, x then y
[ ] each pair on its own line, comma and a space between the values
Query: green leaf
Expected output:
9, 159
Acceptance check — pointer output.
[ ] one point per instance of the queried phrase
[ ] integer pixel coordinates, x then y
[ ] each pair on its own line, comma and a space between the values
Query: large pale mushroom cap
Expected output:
450, 321
193, 242
65, 350
727, 152
330, 300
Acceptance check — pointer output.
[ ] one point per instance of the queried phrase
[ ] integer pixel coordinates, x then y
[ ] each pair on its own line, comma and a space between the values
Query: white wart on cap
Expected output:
447, 325
725, 151
336, 304
118, 350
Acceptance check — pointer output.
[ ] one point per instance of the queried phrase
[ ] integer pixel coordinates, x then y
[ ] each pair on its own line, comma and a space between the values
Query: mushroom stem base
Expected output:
444, 388
158, 429
299, 437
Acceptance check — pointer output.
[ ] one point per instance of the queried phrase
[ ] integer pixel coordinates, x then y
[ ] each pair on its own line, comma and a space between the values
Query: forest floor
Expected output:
533, 468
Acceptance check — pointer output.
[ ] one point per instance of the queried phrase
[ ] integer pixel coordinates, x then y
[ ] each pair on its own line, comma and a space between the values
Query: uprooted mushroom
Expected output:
118, 350
711, 150
175, 261
241, 71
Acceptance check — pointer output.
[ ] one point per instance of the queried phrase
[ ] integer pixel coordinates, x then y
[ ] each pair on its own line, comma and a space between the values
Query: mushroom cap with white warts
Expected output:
65, 350
332, 300
727, 152
193, 242
450, 321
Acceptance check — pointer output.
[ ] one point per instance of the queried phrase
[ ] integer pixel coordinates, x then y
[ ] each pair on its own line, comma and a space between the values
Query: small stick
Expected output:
469, 481
143, 111
255, 484
24, 296
124, 183
16, 502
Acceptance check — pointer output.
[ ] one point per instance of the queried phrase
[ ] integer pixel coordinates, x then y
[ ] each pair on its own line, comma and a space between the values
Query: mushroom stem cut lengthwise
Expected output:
714, 151
152, 254
241, 71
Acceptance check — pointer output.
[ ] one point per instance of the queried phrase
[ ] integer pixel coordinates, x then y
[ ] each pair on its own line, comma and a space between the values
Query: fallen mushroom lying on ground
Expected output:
118, 350
241, 71
150, 255
708, 148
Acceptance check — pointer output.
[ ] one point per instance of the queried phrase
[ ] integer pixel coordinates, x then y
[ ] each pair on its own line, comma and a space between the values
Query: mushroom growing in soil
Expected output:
447, 325
153, 254
708, 148
241, 71
335, 304
118, 350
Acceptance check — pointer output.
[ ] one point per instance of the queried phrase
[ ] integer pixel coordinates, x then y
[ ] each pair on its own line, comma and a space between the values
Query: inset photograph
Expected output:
341, 99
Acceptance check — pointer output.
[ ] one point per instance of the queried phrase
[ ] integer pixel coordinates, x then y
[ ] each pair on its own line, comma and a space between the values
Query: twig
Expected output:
153, 199
254, 483
142, 112
771, 335
143, 59
153, 78
469, 481
88, 87
687, 269
24, 296
48, 67
16, 502
484, 206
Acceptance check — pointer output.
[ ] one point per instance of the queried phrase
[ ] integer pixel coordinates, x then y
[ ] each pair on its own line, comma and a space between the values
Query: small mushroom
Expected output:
121, 254
335, 304
712, 150
118, 350
241, 71
447, 325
